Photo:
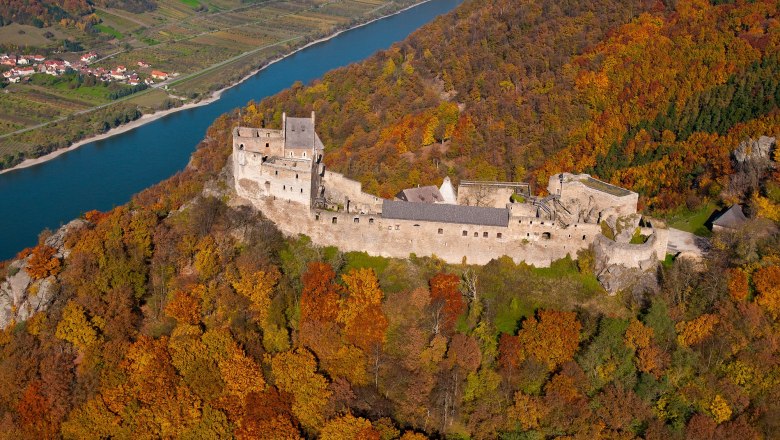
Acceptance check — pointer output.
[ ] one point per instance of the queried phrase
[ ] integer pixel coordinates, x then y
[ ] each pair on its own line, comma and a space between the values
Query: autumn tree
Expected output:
767, 282
446, 302
295, 372
349, 427
552, 337
361, 311
43, 262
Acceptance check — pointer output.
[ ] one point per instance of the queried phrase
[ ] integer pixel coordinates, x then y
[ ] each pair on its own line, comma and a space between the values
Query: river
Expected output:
106, 173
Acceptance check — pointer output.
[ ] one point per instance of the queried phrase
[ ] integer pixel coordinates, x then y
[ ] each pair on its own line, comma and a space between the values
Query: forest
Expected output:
186, 314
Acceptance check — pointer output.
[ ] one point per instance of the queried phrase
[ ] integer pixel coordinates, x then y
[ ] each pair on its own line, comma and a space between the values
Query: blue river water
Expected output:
106, 173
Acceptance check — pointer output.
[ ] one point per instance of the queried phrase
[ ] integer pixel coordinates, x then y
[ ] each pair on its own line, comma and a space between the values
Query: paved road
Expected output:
681, 241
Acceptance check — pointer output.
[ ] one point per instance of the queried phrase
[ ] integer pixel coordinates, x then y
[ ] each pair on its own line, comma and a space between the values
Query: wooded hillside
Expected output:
181, 315
646, 96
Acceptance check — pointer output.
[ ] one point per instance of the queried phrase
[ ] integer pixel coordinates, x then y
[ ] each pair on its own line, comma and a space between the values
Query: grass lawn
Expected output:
191, 3
108, 30
693, 221
150, 99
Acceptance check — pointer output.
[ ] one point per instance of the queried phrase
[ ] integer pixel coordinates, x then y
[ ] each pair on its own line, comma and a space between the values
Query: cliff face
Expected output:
20, 295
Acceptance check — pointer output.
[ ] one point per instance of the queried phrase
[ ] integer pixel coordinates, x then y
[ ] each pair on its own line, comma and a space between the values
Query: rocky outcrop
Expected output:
616, 278
753, 150
20, 296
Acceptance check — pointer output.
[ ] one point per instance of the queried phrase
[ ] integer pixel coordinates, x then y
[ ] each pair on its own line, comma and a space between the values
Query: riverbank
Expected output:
214, 96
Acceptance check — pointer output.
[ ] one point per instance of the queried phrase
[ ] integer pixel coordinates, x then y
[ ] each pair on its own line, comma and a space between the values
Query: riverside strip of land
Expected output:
208, 51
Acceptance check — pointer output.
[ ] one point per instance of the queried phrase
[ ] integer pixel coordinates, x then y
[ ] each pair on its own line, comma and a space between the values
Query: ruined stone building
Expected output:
281, 172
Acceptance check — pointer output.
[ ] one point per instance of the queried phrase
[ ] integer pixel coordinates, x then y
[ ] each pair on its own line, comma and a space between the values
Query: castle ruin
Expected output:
281, 172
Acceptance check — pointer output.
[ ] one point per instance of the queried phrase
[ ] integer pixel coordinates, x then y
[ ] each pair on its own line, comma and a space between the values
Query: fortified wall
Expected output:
282, 174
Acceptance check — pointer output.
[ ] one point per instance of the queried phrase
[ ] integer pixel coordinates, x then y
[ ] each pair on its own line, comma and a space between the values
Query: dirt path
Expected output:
681, 241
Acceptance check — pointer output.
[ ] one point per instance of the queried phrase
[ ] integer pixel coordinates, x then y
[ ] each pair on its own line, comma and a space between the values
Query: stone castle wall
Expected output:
529, 240
339, 189
586, 203
280, 178
630, 255
259, 140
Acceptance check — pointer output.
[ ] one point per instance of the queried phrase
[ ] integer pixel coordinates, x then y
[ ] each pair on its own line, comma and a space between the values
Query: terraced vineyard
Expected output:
208, 44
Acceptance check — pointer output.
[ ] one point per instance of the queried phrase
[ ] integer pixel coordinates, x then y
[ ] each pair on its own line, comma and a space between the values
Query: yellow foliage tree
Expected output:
348, 427
696, 330
75, 327
295, 372
258, 287
720, 409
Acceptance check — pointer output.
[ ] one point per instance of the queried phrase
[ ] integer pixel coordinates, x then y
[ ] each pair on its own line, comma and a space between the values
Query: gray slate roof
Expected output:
425, 194
299, 133
428, 212
732, 219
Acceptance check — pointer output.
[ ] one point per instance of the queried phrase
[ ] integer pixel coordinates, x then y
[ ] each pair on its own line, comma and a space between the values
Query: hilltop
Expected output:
186, 313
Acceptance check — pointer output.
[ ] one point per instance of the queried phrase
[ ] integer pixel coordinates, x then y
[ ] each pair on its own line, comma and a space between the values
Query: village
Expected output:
20, 67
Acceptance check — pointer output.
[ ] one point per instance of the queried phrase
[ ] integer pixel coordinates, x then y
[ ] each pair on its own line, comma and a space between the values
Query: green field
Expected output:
108, 30
694, 221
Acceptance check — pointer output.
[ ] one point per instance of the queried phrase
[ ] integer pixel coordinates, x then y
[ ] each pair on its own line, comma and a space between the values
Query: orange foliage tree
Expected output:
552, 337
767, 282
43, 262
446, 301
361, 311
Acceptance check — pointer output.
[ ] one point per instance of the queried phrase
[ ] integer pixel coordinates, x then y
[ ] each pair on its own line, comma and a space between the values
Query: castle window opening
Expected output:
584, 237
476, 234
441, 231
416, 226
356, 220
520, 222
268, 135
546, 235
241, 147
499, 235
301, 190
276, 173
296, 176
317, 217
527, 234
334, 220
267, 145
531, 222
397, 227
485, 235
370, 221
284, 187
542, 222
465, 233
304, 154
